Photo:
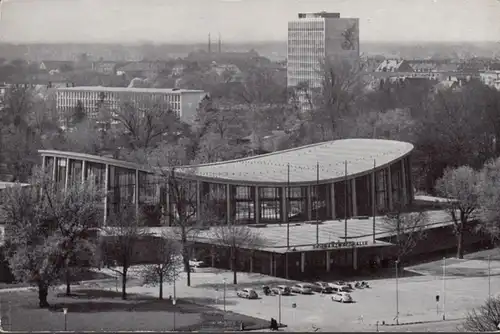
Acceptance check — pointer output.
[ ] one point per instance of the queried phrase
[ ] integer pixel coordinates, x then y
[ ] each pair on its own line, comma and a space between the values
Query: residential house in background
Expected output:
490, 78
394, 65
56, 66
178, 69
144, 69
105, 67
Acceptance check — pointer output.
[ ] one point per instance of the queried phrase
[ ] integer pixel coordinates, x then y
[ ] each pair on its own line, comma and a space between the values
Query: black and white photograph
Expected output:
249, 165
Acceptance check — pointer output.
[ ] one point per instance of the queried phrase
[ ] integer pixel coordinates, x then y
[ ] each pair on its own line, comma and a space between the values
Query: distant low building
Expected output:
144, 69
490, 78
183, 102
394, 65
56, 66
105, 67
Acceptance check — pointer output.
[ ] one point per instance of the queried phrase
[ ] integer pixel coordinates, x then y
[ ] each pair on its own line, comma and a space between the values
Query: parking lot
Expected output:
378, 303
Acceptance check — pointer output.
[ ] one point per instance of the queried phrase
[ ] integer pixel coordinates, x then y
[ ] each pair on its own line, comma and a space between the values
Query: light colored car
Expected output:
194, 263
336, 287
301, 288
247, 293
281, 290
342, 297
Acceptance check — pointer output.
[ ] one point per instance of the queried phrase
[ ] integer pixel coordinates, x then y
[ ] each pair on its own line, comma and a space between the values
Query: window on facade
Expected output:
147, 188
61, 167
269, 201
381, 190
75, 172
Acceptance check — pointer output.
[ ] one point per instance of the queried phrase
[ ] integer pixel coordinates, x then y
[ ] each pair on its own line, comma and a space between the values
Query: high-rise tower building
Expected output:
312, 38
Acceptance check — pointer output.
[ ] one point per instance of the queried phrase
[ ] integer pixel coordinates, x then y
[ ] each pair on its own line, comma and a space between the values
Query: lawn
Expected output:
98, 310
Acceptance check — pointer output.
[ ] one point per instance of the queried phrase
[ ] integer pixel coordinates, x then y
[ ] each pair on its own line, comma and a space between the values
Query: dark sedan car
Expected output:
322, 287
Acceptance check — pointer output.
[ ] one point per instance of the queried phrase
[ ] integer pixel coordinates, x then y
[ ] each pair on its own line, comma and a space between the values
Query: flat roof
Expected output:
360, 156
4, 185
130, 89
303, 235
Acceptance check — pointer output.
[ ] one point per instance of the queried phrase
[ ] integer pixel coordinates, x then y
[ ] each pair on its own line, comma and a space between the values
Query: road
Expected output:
442, 326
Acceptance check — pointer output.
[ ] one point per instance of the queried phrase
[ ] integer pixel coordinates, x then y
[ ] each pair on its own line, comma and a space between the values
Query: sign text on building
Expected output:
338, 244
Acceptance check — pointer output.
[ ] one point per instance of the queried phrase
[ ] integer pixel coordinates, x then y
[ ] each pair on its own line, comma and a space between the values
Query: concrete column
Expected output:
257, 205
403, 183
373, 193
56, 161
213, 257
332, 200
168, 206
328, 264
136, 191
354, 198
106, 188
302, 262
308, 203
199, 186
284, 205
271, 262
84, 167
251, 262
66, 180
389, 186
355, 258
274, 266
410, 181
228, 204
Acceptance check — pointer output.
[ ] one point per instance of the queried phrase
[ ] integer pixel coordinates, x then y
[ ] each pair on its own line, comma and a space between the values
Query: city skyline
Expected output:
166, 21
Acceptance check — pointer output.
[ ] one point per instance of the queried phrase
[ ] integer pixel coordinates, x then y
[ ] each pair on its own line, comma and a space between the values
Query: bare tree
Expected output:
461, 186
341, 83
45, 227
145, 124
484, 319
123, 231
407, 229
77, 212
489, 198
166, 263
236, 237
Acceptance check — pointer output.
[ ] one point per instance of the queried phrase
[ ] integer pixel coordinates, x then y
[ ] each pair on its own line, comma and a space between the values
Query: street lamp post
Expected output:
175, 311
224, 296
489, 276
279, 308
397, 292
444, 288
65, 311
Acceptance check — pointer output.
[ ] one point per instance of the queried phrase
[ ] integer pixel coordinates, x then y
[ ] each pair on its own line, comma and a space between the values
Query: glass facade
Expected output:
160, 202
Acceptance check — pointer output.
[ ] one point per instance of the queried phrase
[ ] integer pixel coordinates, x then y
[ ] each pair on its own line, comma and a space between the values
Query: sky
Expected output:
129, 21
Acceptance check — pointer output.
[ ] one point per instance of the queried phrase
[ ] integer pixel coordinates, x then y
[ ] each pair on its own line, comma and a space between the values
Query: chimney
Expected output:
220, 45
209, 44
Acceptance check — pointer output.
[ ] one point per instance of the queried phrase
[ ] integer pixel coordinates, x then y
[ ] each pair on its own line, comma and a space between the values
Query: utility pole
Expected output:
316, 200
345, 203
374, 199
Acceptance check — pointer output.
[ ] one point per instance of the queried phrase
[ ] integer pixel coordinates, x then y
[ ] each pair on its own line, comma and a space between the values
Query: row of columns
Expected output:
283, 191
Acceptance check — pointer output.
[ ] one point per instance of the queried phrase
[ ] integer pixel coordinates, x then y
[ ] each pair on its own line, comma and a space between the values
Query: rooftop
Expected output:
129, 89
330, 158
303, 235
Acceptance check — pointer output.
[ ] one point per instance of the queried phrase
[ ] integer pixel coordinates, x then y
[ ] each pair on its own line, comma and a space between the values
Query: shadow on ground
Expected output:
98, 310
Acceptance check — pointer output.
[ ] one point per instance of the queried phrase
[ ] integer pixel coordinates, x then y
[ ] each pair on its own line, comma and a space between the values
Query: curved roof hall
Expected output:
359, 155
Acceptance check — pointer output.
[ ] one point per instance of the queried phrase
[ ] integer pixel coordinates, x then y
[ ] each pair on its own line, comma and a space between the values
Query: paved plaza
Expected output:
416, 300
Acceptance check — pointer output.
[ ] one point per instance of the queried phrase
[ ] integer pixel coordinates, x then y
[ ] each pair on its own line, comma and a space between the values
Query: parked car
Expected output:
342, 297
336, 287
322, 287
194, 263
281, 290
247, 293
304, 289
